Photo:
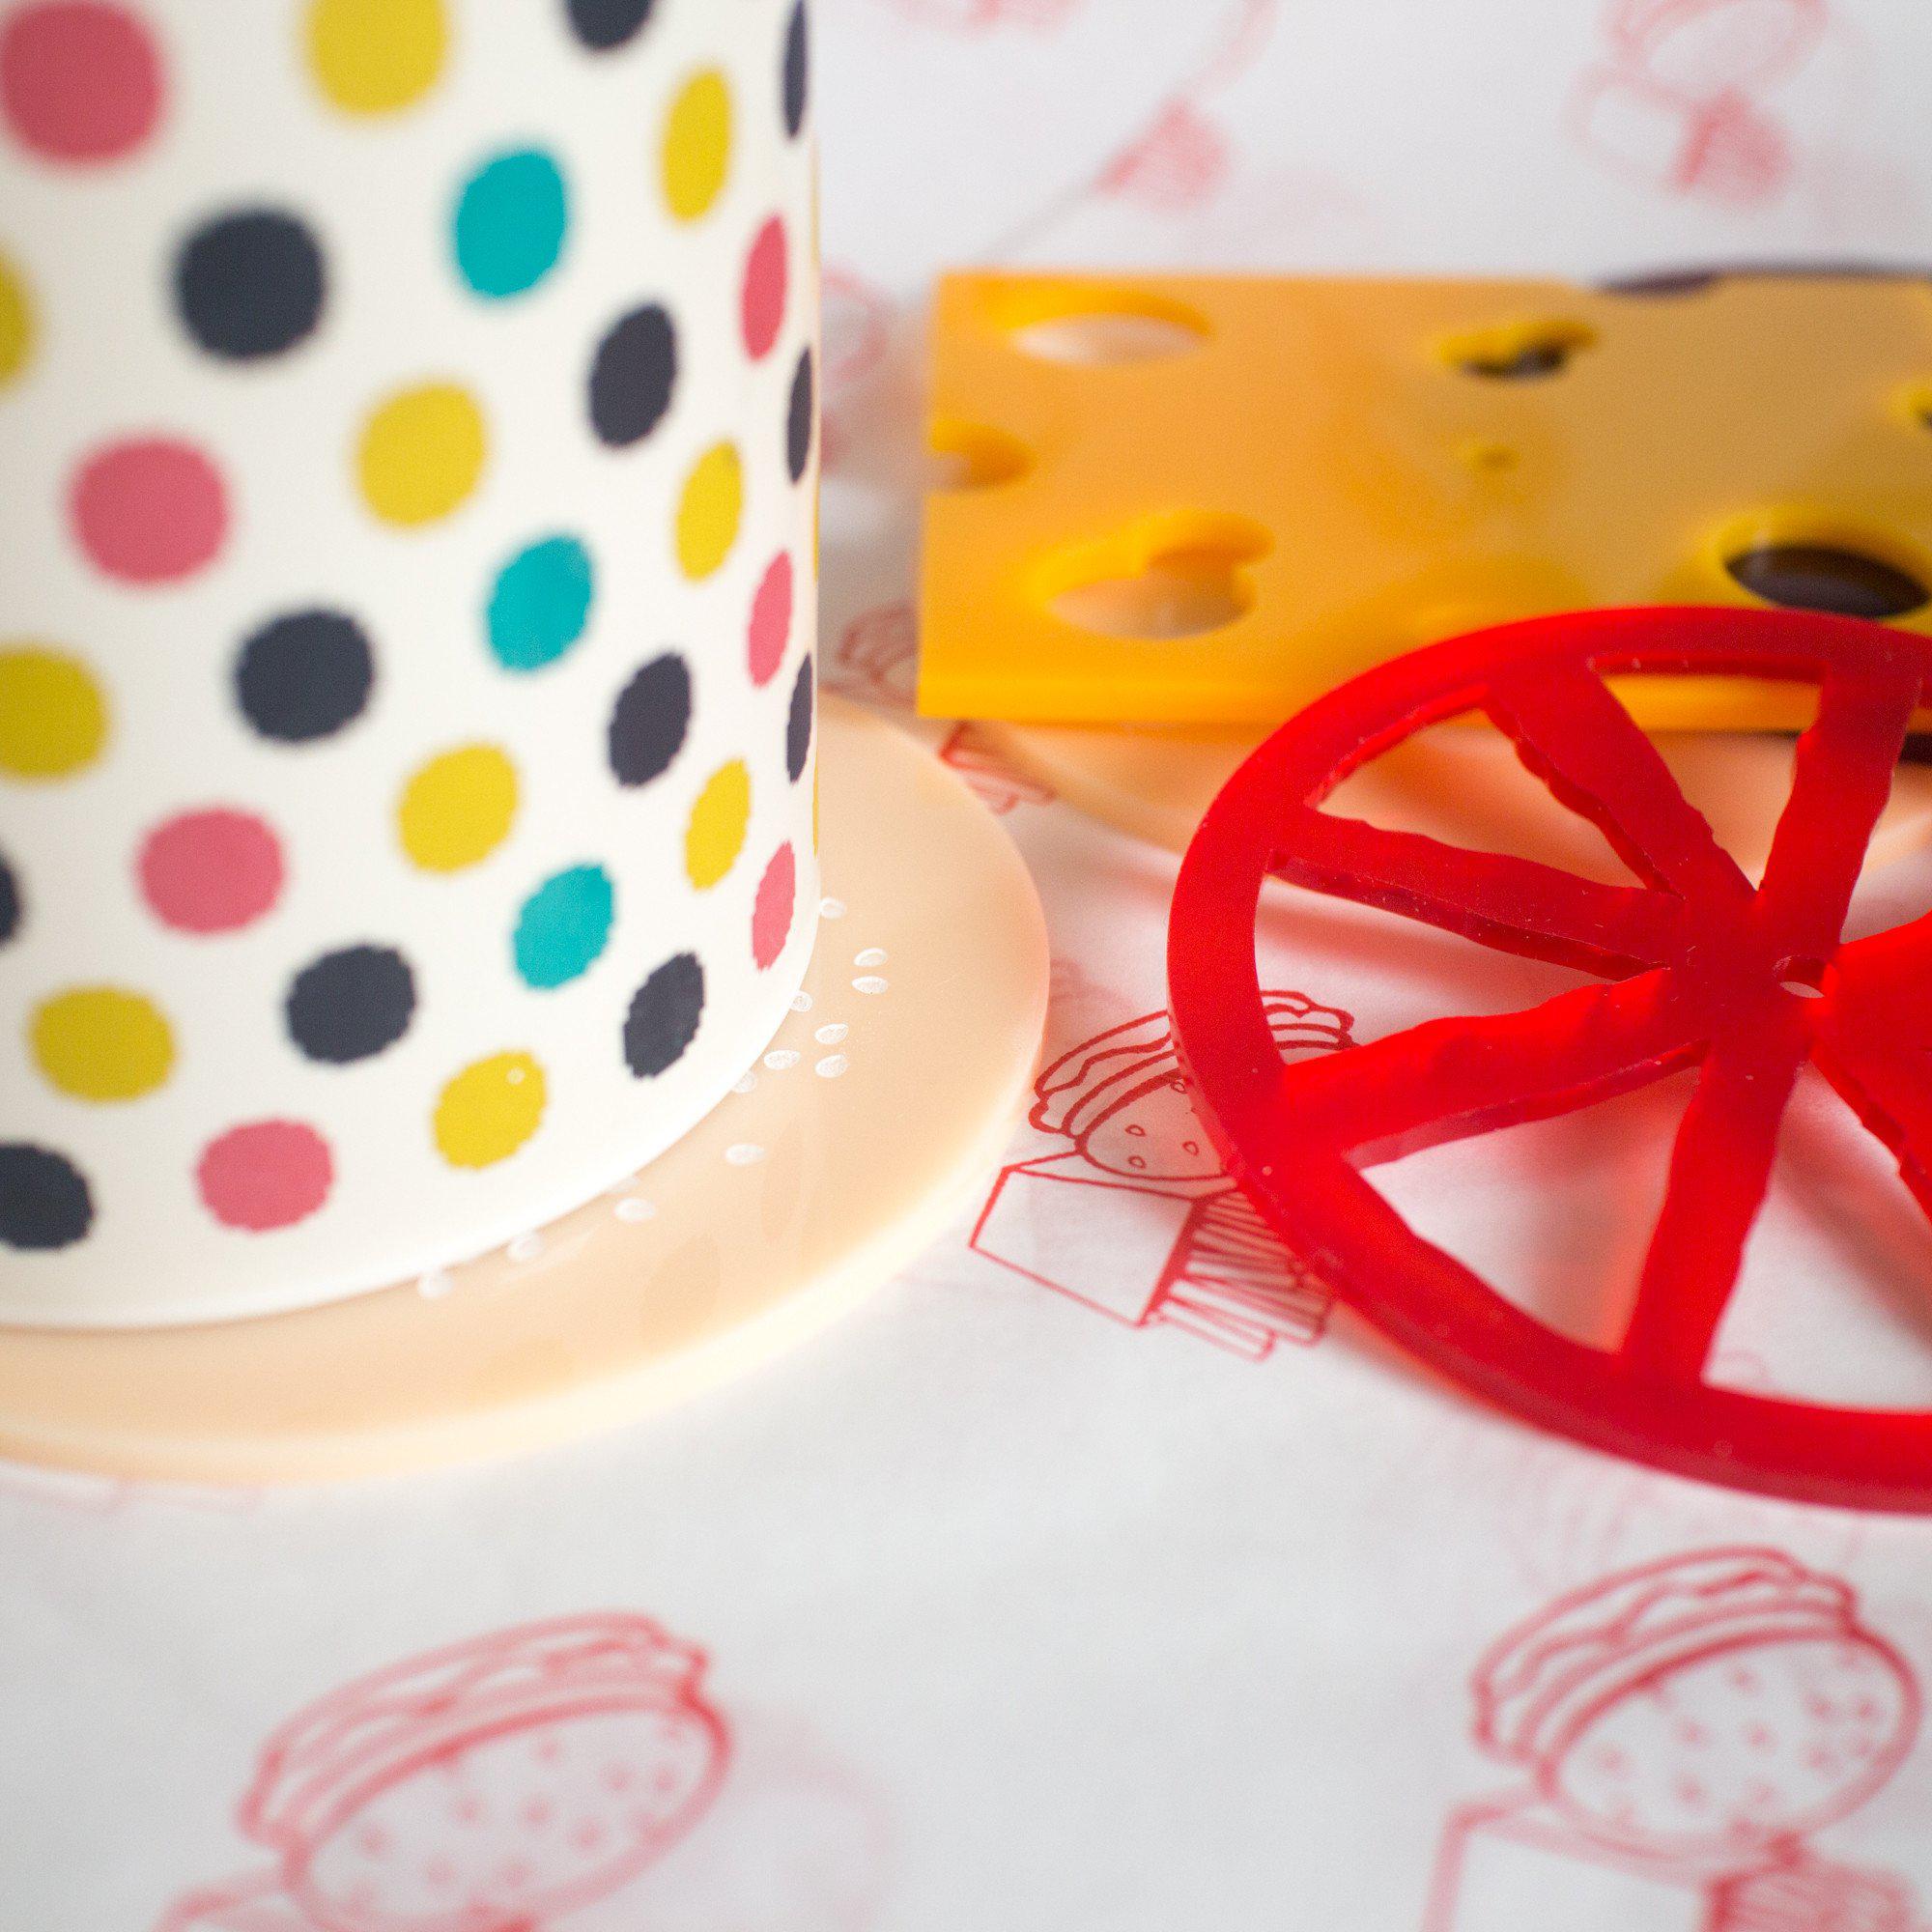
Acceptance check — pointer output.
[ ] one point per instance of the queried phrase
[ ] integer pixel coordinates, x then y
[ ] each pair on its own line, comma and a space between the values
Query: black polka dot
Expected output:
9, 902
649, 720
1822, 576
45, 1202
350, 1003
798, 724
633, 376
797, 71
663, 1020
604, 24
249, 283
798, 420
304, 675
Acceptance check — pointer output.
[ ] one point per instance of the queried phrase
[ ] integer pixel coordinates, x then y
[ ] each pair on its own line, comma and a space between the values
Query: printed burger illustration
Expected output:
1163, 1234
493, 1786
1683, 1732
1678, 104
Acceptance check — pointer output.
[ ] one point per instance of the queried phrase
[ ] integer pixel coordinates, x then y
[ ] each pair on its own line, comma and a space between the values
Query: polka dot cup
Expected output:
406, 583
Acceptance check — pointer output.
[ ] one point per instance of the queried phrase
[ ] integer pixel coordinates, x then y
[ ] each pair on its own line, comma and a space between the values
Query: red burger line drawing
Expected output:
856, 327
855, 336
985, 17
876, 660
986, 772
1157, 1233
1677, 104
1683, 1731
492, 1786
1183, 157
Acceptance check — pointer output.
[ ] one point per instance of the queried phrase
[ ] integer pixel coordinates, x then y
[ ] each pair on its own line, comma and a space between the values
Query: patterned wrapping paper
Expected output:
1098, 1572
404, 625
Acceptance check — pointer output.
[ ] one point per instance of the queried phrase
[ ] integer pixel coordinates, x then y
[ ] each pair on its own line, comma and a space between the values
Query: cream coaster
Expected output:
886, 1097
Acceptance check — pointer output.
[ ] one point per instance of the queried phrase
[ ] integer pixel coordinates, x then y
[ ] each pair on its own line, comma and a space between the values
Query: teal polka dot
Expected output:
540, 603
564, 925
509, 223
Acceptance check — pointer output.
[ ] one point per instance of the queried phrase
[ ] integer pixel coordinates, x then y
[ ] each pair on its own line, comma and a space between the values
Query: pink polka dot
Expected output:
771, 913
79, 80
212, 870
763, 302
148, 511
770, 628
268, 1173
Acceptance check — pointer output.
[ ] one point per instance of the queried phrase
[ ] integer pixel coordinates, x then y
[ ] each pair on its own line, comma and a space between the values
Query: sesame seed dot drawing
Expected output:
1164, 1236
568, 1776
1680, 1736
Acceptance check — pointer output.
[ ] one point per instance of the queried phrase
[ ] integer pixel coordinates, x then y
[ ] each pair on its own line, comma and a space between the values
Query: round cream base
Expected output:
887, 1096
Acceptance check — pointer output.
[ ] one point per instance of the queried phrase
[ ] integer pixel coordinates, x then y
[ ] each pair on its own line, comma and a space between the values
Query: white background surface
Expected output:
1031, 1618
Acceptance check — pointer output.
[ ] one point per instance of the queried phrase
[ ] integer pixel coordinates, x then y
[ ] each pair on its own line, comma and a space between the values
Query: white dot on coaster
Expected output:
436, 1284
635, 1208
831, 1067
526, 1247
624, 1187
832, 908
833, 1033
801, 1003
874, 956
782, 1057
744, 1086
744, 1153
869, 982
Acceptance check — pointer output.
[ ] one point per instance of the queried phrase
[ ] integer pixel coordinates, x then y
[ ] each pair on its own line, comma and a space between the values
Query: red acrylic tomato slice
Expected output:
1694, 968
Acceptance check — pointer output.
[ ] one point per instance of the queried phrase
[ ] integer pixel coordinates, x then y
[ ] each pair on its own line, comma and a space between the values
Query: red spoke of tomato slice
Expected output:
1874, 1043
1571, 733
1841, 778
1720, 1171
1515, 905
1447, 1080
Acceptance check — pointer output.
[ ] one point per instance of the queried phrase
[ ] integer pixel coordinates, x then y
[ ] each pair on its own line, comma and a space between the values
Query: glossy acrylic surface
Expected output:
1697, 969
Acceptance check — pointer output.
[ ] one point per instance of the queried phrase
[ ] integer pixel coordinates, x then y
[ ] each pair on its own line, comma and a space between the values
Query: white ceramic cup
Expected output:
406, 623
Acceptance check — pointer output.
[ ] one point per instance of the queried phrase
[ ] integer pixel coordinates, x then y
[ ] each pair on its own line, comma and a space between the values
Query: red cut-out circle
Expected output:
1698, 971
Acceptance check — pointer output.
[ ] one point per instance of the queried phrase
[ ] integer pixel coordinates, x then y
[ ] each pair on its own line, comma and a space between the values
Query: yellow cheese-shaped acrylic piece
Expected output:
1353, 467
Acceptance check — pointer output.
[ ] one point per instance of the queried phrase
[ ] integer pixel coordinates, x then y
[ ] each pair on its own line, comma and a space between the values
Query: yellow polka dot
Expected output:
715, 833
697, 145
17, 322
102, 1043
489, 1110
709, 509
52, 718
373, 56
458, 808
421, 453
